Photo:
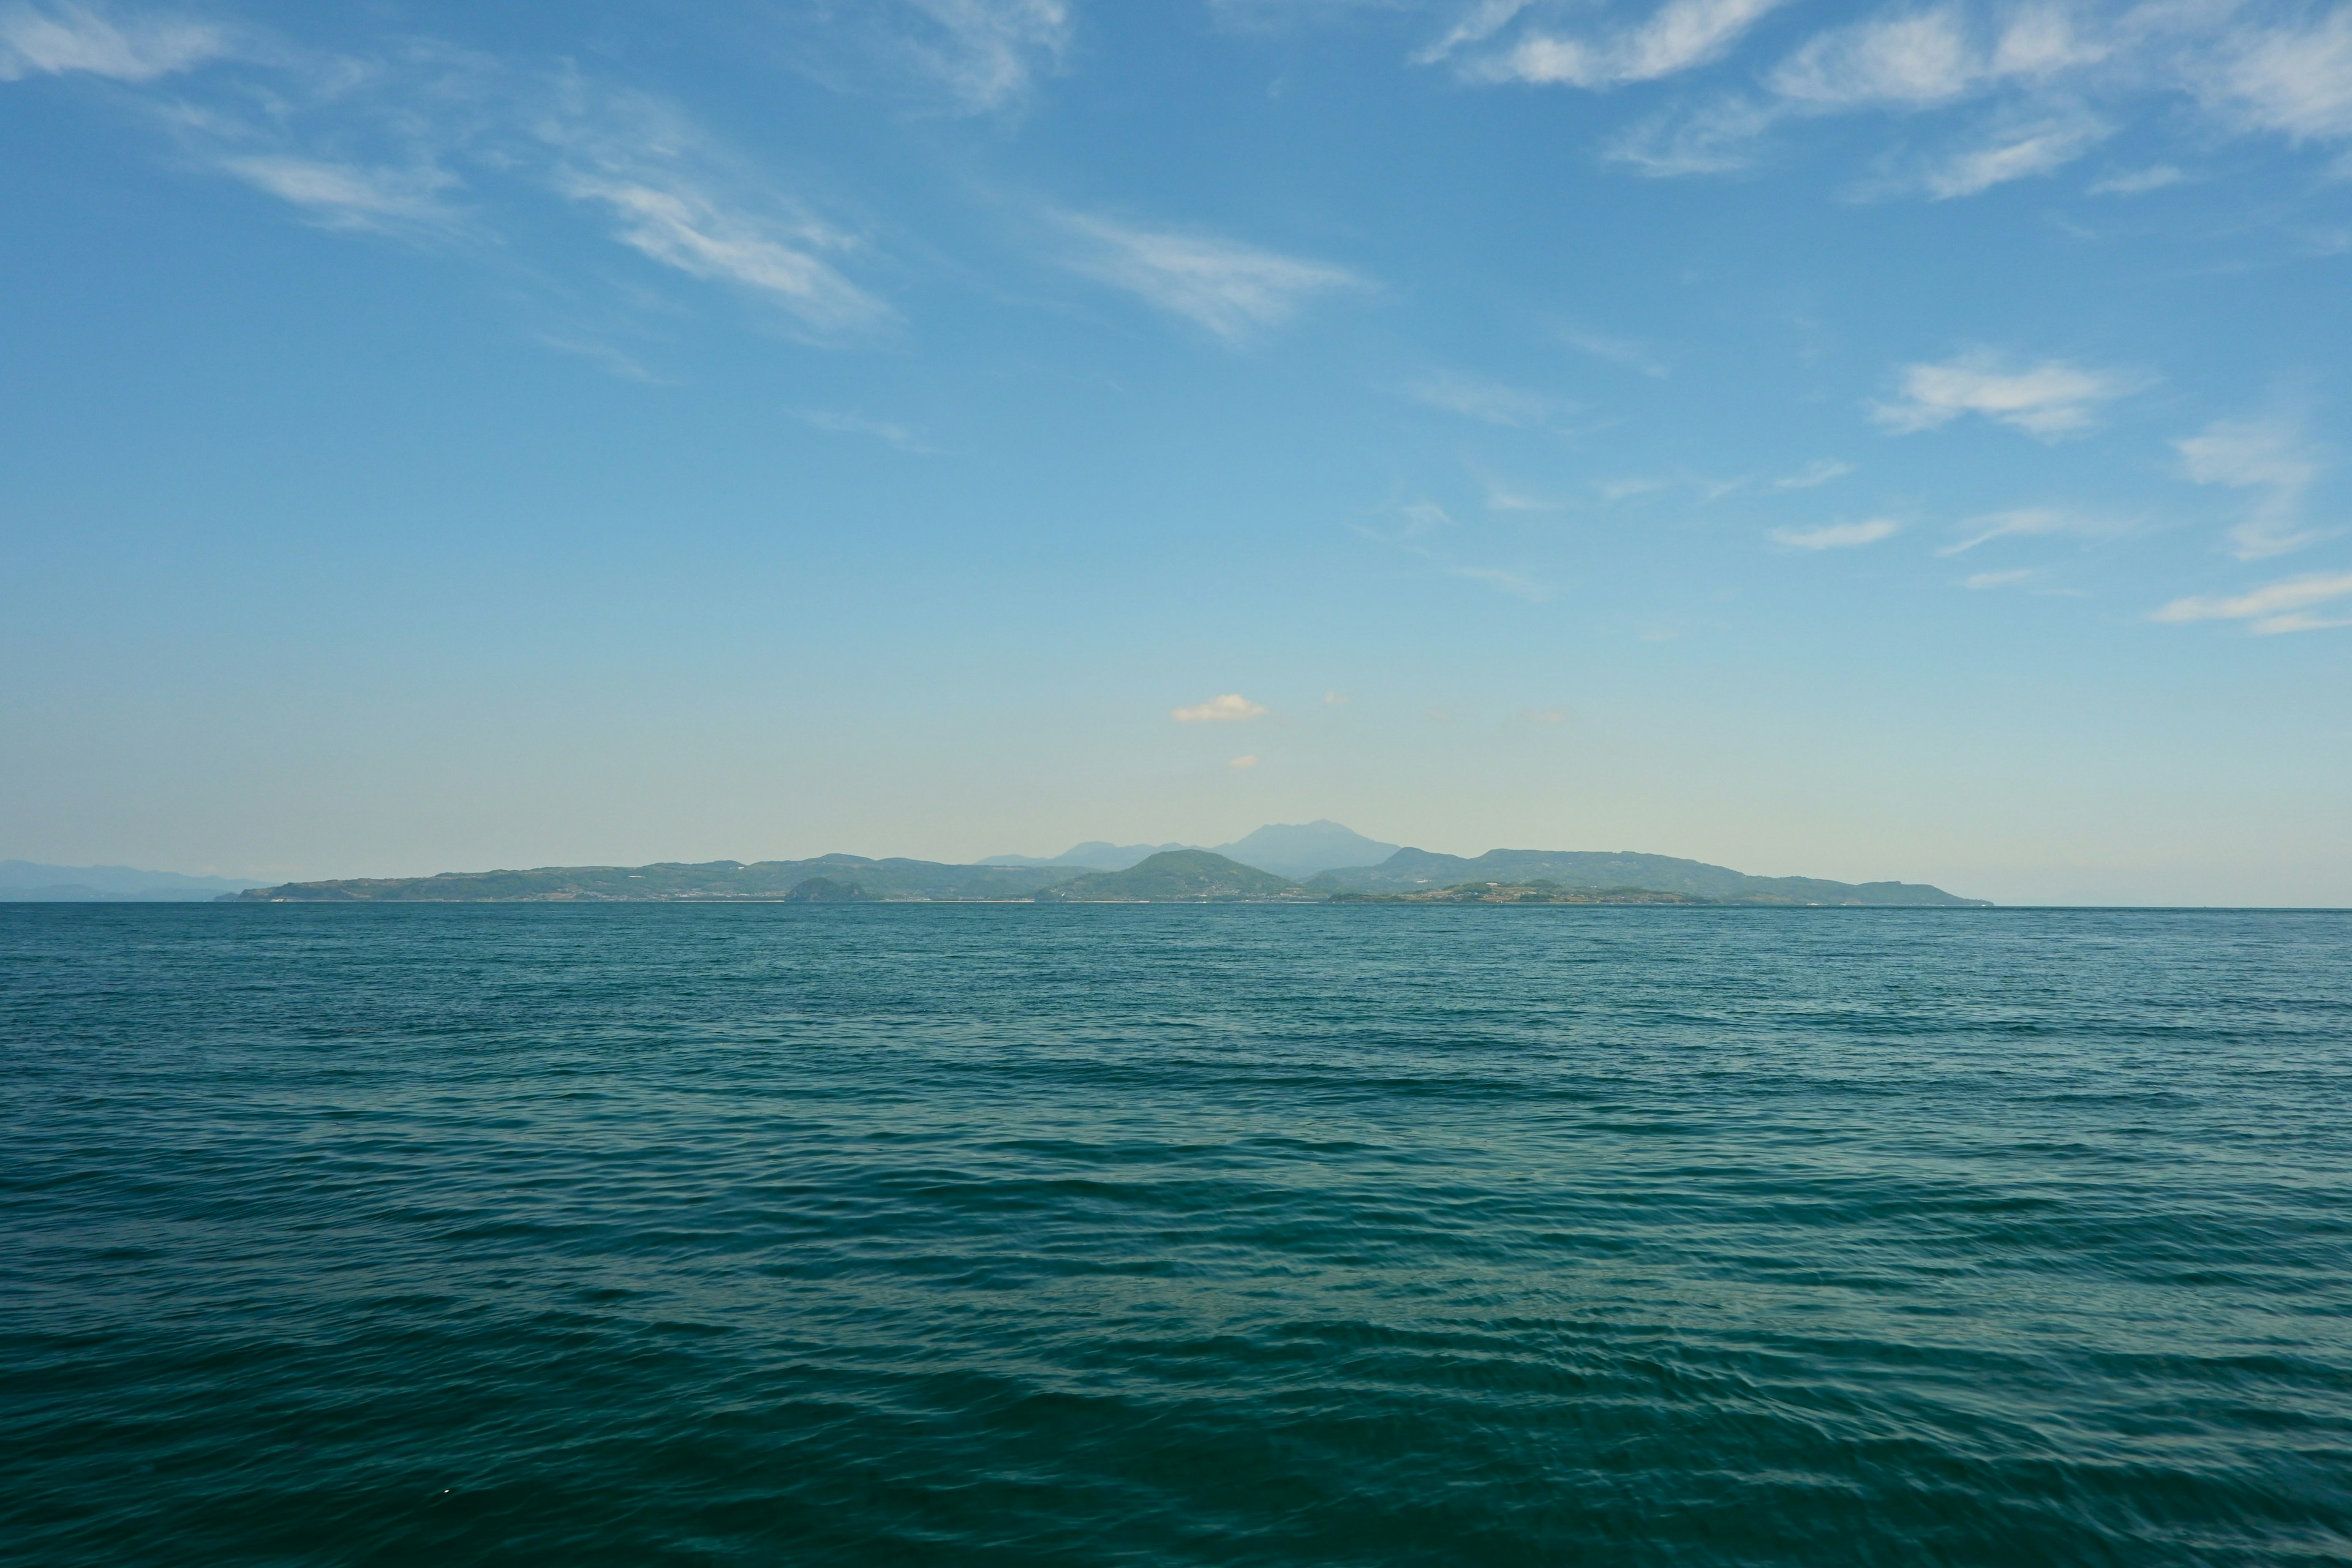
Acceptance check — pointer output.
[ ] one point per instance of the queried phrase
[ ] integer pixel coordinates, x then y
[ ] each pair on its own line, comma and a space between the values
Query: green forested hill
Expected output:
1186, 876
1411, 871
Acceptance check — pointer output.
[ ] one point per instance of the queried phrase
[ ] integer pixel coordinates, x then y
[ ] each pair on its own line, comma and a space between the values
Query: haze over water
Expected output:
1171, 1235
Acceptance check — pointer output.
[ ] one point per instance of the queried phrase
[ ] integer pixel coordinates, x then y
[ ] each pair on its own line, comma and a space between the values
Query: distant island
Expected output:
32, 882
1163, 875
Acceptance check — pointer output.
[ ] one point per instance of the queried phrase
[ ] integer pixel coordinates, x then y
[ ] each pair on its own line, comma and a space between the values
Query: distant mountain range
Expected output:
29, 881
1276, 871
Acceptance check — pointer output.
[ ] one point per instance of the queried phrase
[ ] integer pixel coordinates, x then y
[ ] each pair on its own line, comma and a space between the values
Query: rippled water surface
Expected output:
1163, 1235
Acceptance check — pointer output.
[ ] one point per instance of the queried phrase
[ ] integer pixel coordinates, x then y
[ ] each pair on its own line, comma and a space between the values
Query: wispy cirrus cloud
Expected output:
382, 198
1504, 580
1232, 708
1715, 136
2033, 522
1838, 535
2271, 458
837, 422
2023, 87
988, 54
1819, 472
2013, 152
1491, 402
2290, 605
63, 39
2138, 182
1630, 353
1233, 289
2048, 401
666, 216
1904, 57
424, 143
1678, 37
2290, 77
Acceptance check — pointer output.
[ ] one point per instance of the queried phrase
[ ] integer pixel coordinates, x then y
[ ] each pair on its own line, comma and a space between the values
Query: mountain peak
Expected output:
1304, 848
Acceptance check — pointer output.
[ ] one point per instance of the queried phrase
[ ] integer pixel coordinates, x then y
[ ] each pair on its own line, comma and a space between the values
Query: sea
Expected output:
646, 1234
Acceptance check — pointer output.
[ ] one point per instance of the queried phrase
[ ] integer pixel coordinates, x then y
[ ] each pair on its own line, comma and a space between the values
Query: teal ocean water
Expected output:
1163, 1235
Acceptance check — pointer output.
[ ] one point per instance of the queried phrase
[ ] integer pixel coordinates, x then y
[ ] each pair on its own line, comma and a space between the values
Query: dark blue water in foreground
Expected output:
1152, 1235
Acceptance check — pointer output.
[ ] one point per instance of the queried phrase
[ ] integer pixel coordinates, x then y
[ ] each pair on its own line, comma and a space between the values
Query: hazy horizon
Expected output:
1867, 442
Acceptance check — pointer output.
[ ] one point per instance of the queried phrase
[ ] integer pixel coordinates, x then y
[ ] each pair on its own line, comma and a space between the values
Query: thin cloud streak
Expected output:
1624, 352
2283, 606
2031, 522
1838, 535
1518, 584
839, 422
1819, 472
1488, 401
683, 227
2016, 154
1234, 290
354, 196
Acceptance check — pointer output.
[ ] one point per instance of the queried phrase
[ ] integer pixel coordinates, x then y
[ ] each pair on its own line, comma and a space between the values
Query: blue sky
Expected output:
1855, 440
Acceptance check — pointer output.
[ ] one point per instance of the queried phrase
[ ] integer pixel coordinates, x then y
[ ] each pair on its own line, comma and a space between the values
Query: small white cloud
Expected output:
1680, 35
2282, 607
1818, 472
2031, 522
1243, 762
1982, 580
2136, 182
1544, 715
836, 421
2048, 401
1490, 400
2268, 456
59, 39
1230, 708
1518, 584
1617, 351
1440, 716
1838, 535
1333, 700
989, 53
1234, 290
